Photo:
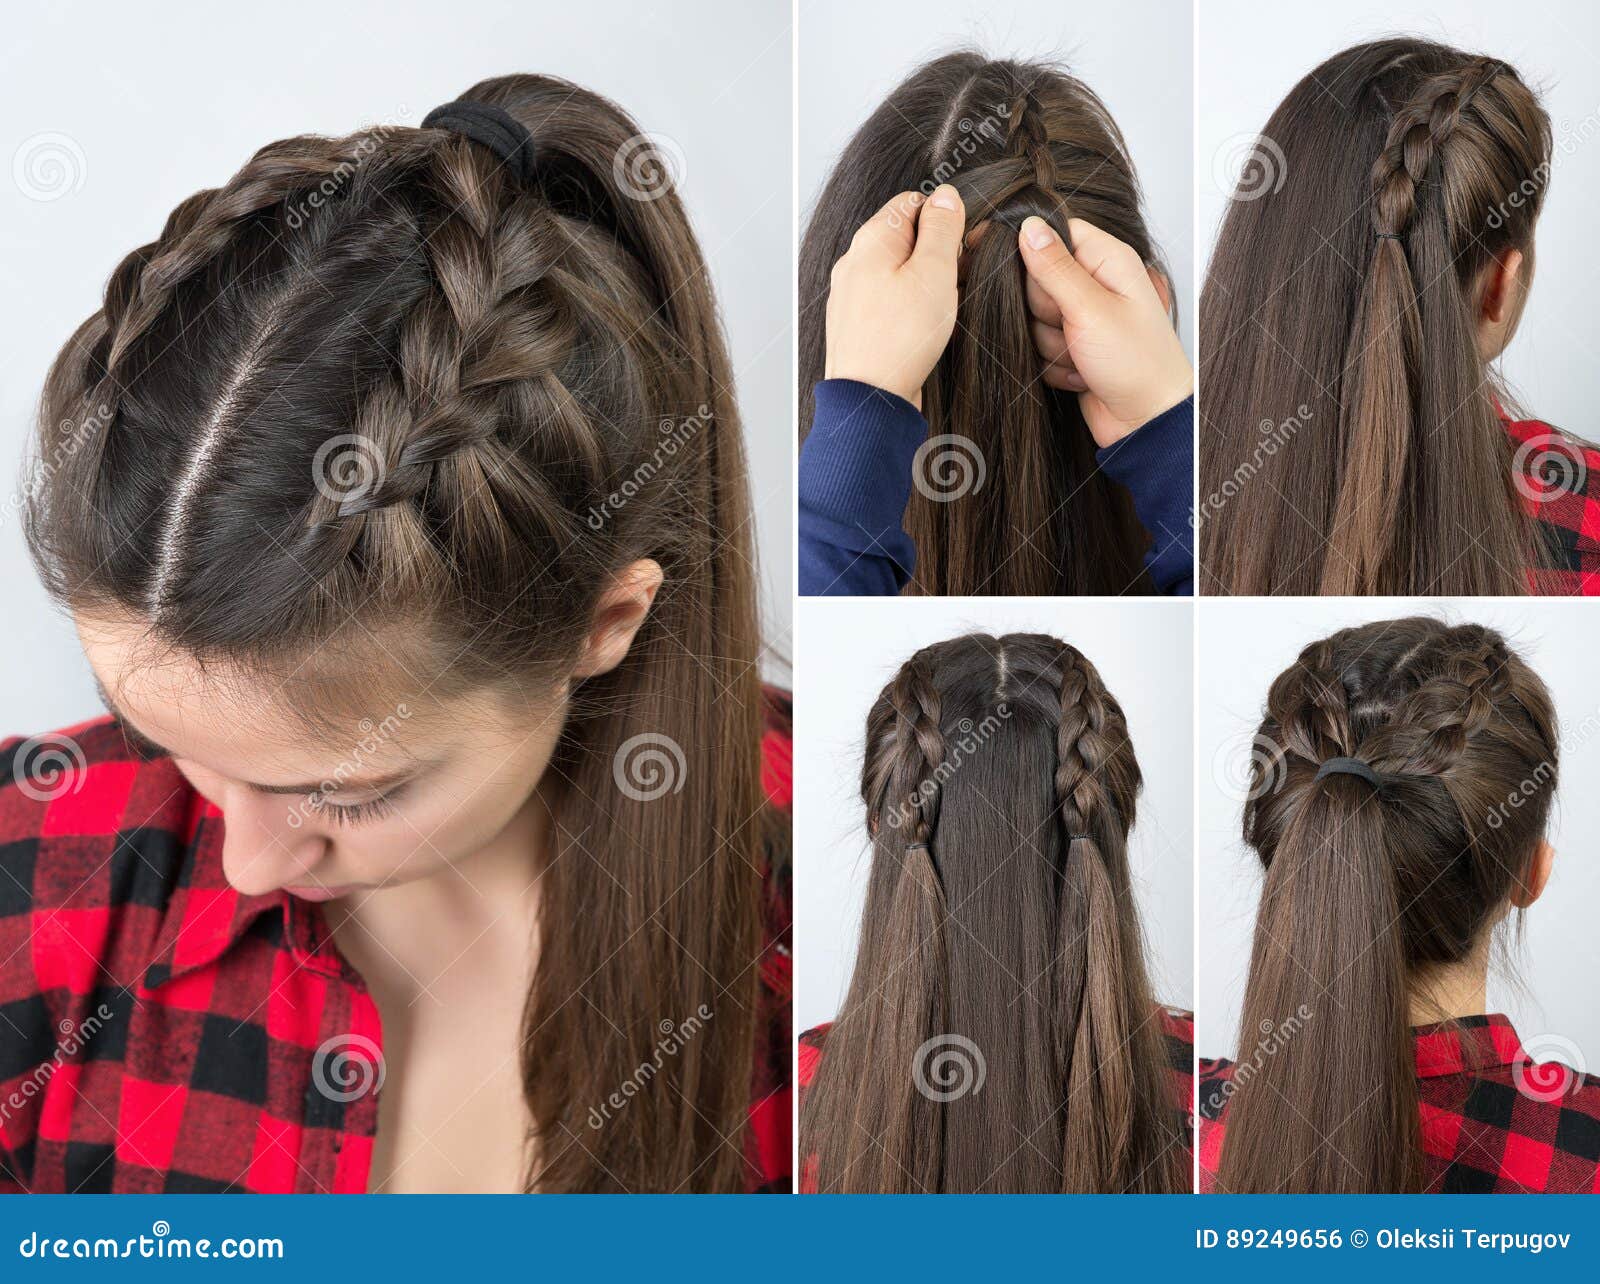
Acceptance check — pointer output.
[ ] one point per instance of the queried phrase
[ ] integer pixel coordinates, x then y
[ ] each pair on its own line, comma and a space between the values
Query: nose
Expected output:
261, 850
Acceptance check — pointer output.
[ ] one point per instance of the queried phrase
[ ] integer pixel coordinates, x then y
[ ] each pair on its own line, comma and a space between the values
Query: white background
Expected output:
1252, 55
165, 100
850, 647
1244, 644
1137, 55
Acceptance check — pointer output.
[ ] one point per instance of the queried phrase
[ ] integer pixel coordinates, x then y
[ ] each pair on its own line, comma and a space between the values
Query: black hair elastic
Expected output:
498, 130
1389, 236
1348, 767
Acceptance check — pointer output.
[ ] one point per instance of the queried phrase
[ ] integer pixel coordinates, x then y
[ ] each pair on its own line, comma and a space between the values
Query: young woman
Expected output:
987, 352
1376, 261
1401, 785
398, 497
999, 1034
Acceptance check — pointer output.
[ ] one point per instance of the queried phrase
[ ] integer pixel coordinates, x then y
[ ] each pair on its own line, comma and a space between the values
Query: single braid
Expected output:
919, 746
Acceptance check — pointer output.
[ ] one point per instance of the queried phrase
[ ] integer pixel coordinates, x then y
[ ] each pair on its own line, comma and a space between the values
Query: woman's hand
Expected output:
892, 304
1102, 328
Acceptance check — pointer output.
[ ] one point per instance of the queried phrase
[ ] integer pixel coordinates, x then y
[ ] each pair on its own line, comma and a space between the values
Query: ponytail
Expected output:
1374, 873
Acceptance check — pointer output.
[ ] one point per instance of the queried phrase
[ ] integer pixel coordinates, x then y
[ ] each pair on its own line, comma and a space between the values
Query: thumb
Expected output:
1053, 268
940, 224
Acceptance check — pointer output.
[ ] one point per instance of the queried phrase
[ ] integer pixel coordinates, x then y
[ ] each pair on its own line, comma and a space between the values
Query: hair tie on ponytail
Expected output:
1388, 236
497, 129
1348, 767
1072, 838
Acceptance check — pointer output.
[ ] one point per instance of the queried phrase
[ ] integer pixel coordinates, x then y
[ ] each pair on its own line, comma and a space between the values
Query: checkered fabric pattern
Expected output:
1177, 1029
1494, 1121
1558, 479
161, 1032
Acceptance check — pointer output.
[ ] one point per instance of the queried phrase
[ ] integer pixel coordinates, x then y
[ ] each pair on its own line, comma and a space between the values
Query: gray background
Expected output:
1547, 986
1252, 56
1137, 55
160, 102
848, 648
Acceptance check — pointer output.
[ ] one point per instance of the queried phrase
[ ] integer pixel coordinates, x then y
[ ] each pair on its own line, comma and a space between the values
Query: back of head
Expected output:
999, 1033
1012, 502
1371, 886
384, 415
1350, 441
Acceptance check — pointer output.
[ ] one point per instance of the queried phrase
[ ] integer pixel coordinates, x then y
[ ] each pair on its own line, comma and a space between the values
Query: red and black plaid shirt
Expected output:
161, 1032
1177, 1029
1558, 479
1494, 1121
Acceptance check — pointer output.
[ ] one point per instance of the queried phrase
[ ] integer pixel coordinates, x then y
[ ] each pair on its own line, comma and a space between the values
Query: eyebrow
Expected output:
145, 745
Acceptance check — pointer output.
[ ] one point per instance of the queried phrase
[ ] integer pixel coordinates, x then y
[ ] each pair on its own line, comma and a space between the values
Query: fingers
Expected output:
1053, 273
940, 224
1058, 371
1113, 263
889, 235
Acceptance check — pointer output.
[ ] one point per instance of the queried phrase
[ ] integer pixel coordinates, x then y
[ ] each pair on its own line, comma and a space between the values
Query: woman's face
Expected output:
417, 787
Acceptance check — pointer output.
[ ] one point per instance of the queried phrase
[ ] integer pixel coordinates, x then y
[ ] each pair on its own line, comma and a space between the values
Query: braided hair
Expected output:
1369, 887
999, 1032
1008, 499
1352, 440
382, 416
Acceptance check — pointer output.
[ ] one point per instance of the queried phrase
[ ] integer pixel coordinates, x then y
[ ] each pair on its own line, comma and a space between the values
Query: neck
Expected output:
470, 919
1458, 990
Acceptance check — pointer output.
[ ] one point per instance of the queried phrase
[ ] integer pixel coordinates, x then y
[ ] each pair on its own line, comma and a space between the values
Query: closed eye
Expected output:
352, 813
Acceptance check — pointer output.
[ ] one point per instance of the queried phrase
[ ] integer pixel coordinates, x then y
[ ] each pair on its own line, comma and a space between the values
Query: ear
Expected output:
617, 616
1500, 289
1163, 289
1531, 885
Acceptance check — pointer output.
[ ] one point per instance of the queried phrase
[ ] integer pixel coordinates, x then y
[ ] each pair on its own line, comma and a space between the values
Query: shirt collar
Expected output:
1466, 1044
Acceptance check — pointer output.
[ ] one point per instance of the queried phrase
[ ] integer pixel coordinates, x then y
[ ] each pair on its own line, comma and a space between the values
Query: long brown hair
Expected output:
1349, 438
999, 1032
1368, 887
1009, 499
525, 388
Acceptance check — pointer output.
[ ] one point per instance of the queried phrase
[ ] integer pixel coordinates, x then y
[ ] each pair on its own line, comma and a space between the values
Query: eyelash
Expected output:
352, 813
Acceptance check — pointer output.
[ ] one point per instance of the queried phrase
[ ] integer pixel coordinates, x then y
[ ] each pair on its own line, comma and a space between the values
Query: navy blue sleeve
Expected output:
855, 480
1156, 464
